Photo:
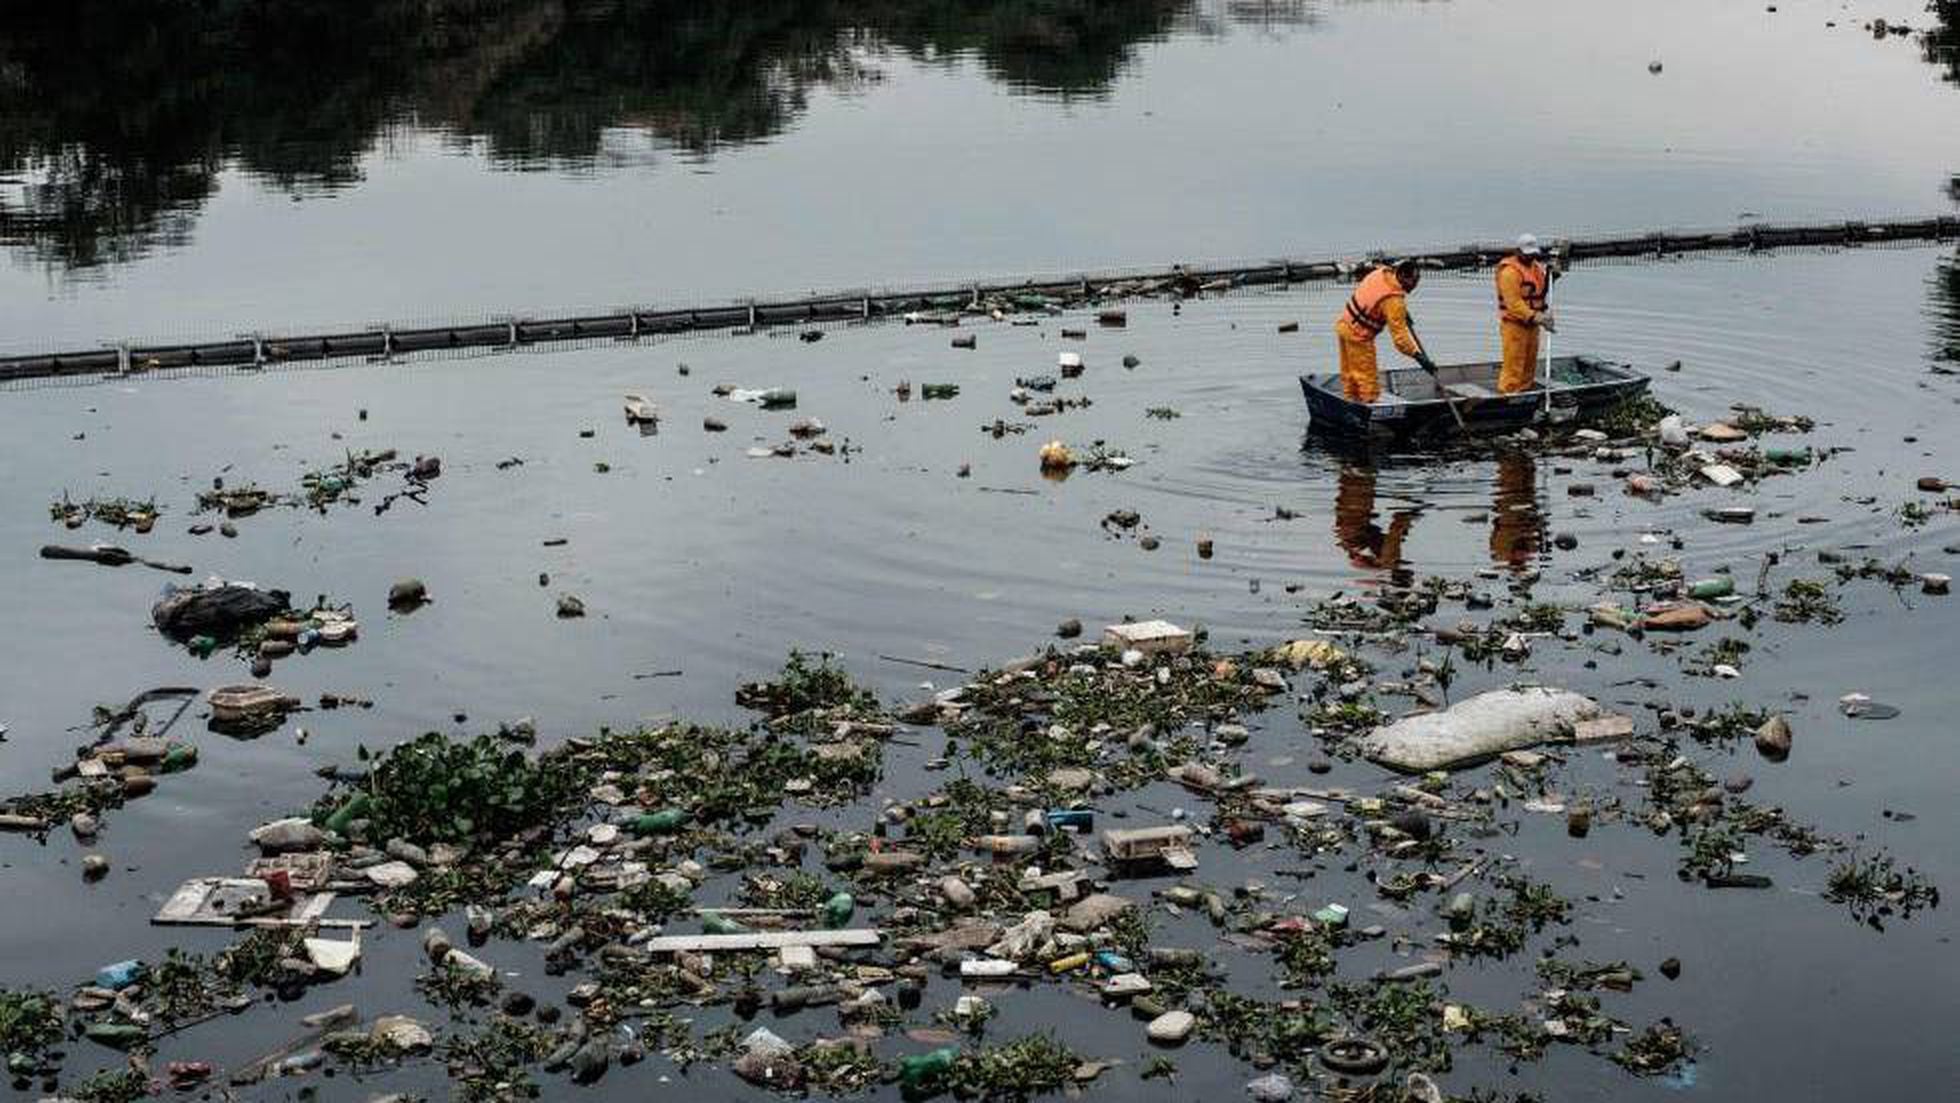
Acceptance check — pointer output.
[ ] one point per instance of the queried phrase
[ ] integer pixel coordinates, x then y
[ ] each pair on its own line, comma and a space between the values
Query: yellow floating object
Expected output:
1055, 456
1068, 964
1314, 653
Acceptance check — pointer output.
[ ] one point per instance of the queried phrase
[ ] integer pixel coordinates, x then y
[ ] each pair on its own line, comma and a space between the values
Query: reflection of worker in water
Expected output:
1367, 545
1517, 527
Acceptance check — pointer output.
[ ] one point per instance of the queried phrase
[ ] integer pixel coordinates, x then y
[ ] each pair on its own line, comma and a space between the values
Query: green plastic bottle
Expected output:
925, 1069
116, 1035
838, 910
1712, 587
664, 822
355, 808
717, 923
181, 757
201, 646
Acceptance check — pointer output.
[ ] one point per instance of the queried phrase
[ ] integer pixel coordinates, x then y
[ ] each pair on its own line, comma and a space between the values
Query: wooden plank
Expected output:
760, 940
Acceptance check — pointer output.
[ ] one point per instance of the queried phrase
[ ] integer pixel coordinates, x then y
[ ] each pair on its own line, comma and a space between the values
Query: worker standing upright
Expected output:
1523, 286
1379, 302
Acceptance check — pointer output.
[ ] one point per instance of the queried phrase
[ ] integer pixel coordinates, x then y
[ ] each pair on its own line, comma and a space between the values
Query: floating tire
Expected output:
1355, 1056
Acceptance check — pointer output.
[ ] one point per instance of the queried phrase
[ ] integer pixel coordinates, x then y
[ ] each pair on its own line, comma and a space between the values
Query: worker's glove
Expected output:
1427, 364
1547, 321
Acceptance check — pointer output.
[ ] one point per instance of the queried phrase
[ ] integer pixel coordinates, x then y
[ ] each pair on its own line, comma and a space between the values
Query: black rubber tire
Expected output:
1354, 1056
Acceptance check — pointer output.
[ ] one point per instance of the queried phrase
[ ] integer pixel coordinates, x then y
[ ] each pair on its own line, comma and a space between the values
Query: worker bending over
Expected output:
1523, 285
1379, 302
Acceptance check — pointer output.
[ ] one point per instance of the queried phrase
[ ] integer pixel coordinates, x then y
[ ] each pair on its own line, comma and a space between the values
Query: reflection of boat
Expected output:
1412, 404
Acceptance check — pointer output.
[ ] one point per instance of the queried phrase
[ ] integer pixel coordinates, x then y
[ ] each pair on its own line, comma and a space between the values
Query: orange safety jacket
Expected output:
1533, 280
1364, 308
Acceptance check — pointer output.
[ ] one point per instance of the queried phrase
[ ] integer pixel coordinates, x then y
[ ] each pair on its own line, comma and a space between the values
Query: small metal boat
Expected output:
1413, 405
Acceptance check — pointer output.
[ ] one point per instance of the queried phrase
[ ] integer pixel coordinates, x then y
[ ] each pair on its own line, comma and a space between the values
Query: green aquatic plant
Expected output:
438, 789
30, 1022
807, 682
1874, 887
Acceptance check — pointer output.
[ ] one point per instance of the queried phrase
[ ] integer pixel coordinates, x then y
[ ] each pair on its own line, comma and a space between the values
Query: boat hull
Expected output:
1580, 387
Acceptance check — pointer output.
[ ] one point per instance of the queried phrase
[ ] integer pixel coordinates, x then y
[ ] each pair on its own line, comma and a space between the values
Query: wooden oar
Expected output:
1449, 400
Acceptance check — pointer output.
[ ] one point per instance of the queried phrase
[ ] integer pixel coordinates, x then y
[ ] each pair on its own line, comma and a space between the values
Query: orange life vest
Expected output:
1536, 280
1364, 307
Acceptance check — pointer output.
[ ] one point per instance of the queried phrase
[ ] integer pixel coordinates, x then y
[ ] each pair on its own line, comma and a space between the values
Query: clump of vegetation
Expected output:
52, 806
1307, 956
1345, 717
1727, 651
1874, 887
941, 829
255, 959
656, 901
1405, 1018
723, 776
235, 501
1754, 420
120, 512
838, 1067
1586, 976
30, 1022
491, 1065
1162, 413
1258, 1031
124, 1086
798, 891
1502, 926
1709, 853
338, 482
458, 989
1736, 721
1914, 514
1538, 616
1632, 417
437, 789
1656, 1050
808, 683
1026, 1067
1805, 601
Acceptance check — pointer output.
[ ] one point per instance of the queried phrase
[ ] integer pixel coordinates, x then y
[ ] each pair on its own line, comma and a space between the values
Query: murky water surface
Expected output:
1172, 131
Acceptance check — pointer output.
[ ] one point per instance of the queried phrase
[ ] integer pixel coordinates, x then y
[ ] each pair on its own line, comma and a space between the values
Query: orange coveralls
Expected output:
1378, 303
1521, 290
1368, 546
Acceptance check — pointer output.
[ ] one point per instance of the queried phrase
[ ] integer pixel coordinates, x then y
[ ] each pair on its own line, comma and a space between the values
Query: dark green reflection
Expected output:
116, 116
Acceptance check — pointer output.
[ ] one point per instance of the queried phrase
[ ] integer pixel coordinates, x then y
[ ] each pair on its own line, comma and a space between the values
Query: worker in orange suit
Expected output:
1380, 301
1523, 285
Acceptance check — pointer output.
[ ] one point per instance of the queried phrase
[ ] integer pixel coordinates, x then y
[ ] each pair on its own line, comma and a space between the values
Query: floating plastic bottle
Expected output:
355, 808
838, 910
1074, 819
717, 923
116, 1035
1712, 588
664, 822
119, 975
925, 1069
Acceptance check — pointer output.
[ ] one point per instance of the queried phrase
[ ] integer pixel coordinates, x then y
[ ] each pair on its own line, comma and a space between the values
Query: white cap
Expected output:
1528, 244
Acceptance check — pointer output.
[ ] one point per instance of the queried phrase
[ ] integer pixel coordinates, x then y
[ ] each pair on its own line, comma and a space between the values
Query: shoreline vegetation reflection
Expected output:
103, 162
